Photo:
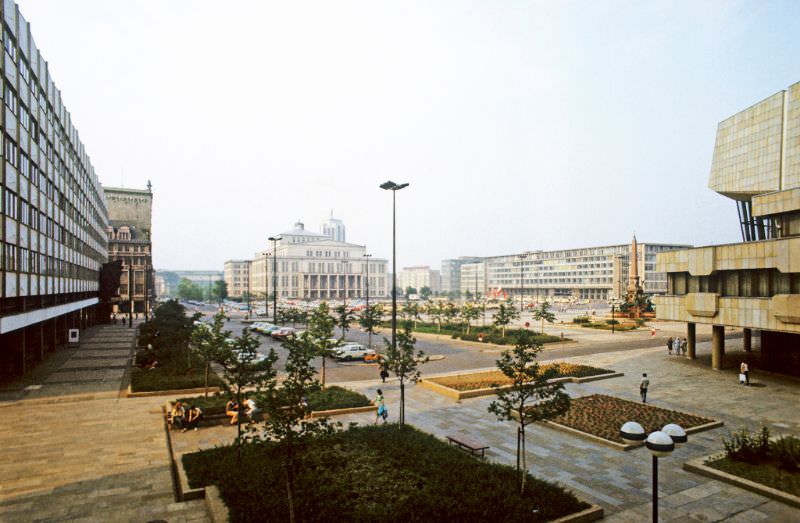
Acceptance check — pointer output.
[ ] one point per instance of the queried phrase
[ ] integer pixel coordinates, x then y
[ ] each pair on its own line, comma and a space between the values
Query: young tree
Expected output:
436, 312
425, 293
505, 314
410, 312
370, 319
469, 312
449, 311
187, 290
543, 313
320, 334
531, 398
344, 318
410, 290
219, 291
404, 363
287, 420
209, 343
468, 295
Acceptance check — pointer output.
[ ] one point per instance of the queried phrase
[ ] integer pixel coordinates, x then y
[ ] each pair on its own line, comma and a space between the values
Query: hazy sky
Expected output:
519, 125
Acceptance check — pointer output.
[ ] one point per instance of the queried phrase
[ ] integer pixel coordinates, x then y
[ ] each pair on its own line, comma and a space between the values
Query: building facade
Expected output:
473, 280
236, 274
451, 273
755, 284
129, 241
54, 214
419, 277
311, 266
334, 229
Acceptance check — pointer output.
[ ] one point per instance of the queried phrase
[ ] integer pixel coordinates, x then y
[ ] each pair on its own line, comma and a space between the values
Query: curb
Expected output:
174, 392
593, 513
339, 412
698, 466
217, 510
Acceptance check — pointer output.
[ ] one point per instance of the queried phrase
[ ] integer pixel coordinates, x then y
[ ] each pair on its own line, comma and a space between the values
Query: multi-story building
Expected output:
54, 215
333, 229
129, 241
237, 277
755, 284
310, 265
473, 280
419, 277
451, 273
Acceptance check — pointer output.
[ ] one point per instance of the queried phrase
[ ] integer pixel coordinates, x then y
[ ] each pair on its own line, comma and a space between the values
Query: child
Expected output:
382, 412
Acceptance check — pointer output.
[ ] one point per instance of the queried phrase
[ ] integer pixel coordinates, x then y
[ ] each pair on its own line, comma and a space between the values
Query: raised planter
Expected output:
593, 513
217, 510
698, 466
178, 392
339, 412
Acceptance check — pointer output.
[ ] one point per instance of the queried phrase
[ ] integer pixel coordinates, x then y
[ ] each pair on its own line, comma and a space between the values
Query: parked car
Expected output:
373, 358
268, 329
351, 351
282, 333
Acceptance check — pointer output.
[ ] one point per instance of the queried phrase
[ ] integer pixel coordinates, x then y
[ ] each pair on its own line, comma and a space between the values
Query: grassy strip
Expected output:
327, 399
172, 377
487, 334
767, 473
485, 380
375, 473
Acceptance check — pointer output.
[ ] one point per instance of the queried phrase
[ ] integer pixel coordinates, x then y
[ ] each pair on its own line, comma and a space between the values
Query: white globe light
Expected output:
675, 432
660, 444
632, 432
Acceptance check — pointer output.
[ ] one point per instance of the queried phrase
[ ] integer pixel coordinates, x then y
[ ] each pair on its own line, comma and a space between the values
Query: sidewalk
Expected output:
73, 449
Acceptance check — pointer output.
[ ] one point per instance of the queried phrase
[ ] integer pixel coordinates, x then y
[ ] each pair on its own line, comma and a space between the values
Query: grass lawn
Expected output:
327, 399
769, 473
603, 416
170, 377
483, 380
375, 473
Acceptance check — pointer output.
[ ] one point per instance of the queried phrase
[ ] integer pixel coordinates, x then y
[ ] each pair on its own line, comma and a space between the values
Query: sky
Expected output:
518, 125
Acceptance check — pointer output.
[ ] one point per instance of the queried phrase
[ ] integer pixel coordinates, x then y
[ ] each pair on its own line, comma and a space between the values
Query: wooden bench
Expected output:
467, 444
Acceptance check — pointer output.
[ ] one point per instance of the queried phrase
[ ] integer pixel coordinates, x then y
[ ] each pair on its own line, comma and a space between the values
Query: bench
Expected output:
467, 444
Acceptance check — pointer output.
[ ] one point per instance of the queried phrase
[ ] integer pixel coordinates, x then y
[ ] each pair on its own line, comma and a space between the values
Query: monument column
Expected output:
691, 340
717, 346
747, 340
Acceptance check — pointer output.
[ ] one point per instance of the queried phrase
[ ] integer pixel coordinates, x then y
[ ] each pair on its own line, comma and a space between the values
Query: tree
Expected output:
410, 290
449, 311
404, 363
320, 334
371, 317
209, 343
344, 318
469, 312
543, 313
410, 312
531, 397
505, 314
187, 290
287, 413
435, 310
219, 291
468, 296
425, 293
169, 333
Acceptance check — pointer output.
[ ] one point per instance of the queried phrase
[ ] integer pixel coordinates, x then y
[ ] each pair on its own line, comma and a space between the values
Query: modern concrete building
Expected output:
237, 277
451, 273
473, 280
54, 214
755, 284
419, 277
312, 266
129, 230
334, 229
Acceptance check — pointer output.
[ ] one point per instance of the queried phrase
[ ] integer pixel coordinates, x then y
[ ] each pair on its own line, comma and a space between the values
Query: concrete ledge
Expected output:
176, 392
217, 510
593, 513
339, 412
698, 466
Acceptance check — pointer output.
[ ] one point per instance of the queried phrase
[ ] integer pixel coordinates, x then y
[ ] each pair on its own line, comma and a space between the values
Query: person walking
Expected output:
744, 370
669, 346
384, 373
381, 403
644, 383
684, 345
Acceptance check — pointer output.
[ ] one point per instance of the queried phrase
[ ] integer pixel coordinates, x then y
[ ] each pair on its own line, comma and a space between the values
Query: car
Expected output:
268, 329
352, 351
373, 358
282, 333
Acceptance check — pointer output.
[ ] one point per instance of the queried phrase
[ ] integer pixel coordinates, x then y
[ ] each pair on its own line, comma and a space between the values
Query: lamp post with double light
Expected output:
274, 240
394, 187
366, 310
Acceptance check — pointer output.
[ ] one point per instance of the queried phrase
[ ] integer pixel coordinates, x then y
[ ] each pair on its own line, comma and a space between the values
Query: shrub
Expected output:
786, 450
335, 397
750, 447
581, 319
612, 322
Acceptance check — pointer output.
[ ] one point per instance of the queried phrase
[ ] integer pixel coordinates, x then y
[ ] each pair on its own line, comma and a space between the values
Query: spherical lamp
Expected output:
660, 444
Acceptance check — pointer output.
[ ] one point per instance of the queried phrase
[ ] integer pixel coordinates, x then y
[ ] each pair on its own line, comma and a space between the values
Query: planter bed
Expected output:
471, 385
378, 473
599, 417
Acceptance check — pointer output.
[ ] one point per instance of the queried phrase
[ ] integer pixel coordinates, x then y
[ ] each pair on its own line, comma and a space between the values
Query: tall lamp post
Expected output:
266, 286
522, 258
613, 311
369, 334
274, 240
661, 444
394, 187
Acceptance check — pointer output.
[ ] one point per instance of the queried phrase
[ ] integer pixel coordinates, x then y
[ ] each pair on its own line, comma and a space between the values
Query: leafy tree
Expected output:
504, 316
320, 334
404, 363
469, 312
410, 290
188, 290
449, 311
344, 318
425, 293
371, 317
468, 296
169, 333
219, 291
287, 413
209, 343
411, 312
436, 311
543, 313
531, 397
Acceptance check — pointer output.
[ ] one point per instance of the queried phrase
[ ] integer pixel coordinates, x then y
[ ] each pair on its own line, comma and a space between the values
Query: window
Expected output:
11, 152
11, 205
10, 257
10, 44
10, 98
24, 71
24, 117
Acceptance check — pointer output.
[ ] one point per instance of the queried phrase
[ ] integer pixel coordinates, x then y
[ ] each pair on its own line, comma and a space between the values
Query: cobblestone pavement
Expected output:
72, 449
618, 481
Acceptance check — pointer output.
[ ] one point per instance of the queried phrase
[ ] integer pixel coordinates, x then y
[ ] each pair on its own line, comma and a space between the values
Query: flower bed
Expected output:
602, 416
485, 380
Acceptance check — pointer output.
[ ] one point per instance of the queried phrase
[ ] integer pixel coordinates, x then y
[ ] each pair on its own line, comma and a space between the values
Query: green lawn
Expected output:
769, 473
375, 473
332, 397
172, 377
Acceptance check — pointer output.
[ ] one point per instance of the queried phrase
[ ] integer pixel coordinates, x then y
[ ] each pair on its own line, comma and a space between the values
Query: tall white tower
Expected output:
333, 228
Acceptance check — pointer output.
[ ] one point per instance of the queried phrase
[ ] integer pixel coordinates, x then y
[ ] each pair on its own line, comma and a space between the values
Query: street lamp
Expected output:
661, 444
614, 302
369, 333
266, 285
274, 240
394, 187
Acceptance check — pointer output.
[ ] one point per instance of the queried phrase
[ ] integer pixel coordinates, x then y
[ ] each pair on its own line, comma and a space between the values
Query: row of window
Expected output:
327, 254
19, 259
752, 283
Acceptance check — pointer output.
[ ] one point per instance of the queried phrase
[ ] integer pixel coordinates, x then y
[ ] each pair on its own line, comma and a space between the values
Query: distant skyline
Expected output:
519, 125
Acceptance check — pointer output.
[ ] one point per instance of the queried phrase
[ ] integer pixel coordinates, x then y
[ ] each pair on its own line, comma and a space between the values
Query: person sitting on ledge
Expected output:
232, 410
193, 417
177, 417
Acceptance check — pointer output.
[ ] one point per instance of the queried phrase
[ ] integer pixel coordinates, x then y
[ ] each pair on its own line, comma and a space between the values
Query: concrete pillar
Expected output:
24, 345
717, 346
747, 340
691, 340
42, 344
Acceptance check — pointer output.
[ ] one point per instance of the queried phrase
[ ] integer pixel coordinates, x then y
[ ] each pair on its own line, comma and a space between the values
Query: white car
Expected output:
351, 351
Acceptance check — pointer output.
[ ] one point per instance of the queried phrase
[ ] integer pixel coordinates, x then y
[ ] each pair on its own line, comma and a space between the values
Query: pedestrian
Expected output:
652, 332
744, 374
384, 373
381, 403
684, 346
669, 346
644, 383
